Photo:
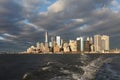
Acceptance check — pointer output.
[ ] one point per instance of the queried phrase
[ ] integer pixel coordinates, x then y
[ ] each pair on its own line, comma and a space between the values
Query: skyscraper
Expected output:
58, 41
73, 45
91, 40
87, 46
105, 42
101, 43
46, 37
97, 43
46, 42
80, 44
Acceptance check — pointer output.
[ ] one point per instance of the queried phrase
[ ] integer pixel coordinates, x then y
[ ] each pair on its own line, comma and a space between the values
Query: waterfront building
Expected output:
42, 47
38, 45
32, 49
52, 41
88, 39
73, 45
62, 42
66, 47
56, 48
91, 40
46, 42
46, 37
105, 42
101, 43
97, 43
58, 40
29, 50
87, 46
50, 44
80, 44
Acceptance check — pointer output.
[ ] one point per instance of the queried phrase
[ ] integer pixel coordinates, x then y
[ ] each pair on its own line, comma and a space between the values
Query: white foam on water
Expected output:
76, 76
45, 68
25, 75
65, 71
92, 68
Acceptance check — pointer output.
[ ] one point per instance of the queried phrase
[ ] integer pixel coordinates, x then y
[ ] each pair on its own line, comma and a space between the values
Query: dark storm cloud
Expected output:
24, 19
63, 11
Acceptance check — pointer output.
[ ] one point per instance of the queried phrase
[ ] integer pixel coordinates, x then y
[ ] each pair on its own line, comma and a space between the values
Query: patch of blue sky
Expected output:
26, 21
1, 38
44, 7
115, 9
115, 6
118, 1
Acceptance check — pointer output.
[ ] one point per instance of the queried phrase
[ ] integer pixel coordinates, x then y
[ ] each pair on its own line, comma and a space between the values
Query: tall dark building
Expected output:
78, 45
87, 46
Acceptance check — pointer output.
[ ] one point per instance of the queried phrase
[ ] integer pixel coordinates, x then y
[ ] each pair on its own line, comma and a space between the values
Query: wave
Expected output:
110, 70
59, 71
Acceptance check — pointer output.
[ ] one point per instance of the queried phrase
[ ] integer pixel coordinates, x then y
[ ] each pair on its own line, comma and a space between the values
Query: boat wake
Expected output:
85, 70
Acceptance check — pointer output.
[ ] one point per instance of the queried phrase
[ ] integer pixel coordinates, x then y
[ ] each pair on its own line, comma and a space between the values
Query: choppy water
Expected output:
60, 67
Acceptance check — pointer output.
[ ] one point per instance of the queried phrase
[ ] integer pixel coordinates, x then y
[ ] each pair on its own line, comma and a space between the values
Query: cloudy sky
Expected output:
23, 22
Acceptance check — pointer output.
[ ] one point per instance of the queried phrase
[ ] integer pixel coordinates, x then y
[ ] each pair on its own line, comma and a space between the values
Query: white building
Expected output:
97, 43
58, 41
101, 43
105, 42
73, 45
66, 47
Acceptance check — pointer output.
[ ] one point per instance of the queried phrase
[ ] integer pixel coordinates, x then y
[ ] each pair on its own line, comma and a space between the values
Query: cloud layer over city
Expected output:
23, 22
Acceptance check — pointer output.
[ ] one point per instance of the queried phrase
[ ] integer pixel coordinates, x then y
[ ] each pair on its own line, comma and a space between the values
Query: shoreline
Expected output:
56, 53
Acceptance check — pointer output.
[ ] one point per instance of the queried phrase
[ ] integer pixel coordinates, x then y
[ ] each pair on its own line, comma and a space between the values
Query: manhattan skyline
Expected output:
23, 22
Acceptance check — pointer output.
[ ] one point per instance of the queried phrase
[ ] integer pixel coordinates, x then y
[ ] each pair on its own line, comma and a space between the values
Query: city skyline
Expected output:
23, 23
90, 44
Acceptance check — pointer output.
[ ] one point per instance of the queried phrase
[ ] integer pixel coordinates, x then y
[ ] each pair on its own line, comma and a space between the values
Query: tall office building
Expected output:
46, 37
73, 45
46, 42
87, 46
101, 43
52, 41
105, 42
80, 44
58, 41
91, 40
62, 42
97, 43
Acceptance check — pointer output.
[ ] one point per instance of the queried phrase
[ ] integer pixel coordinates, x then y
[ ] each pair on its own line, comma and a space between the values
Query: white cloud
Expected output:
5, 39
9, 35
56, 7
78, 20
